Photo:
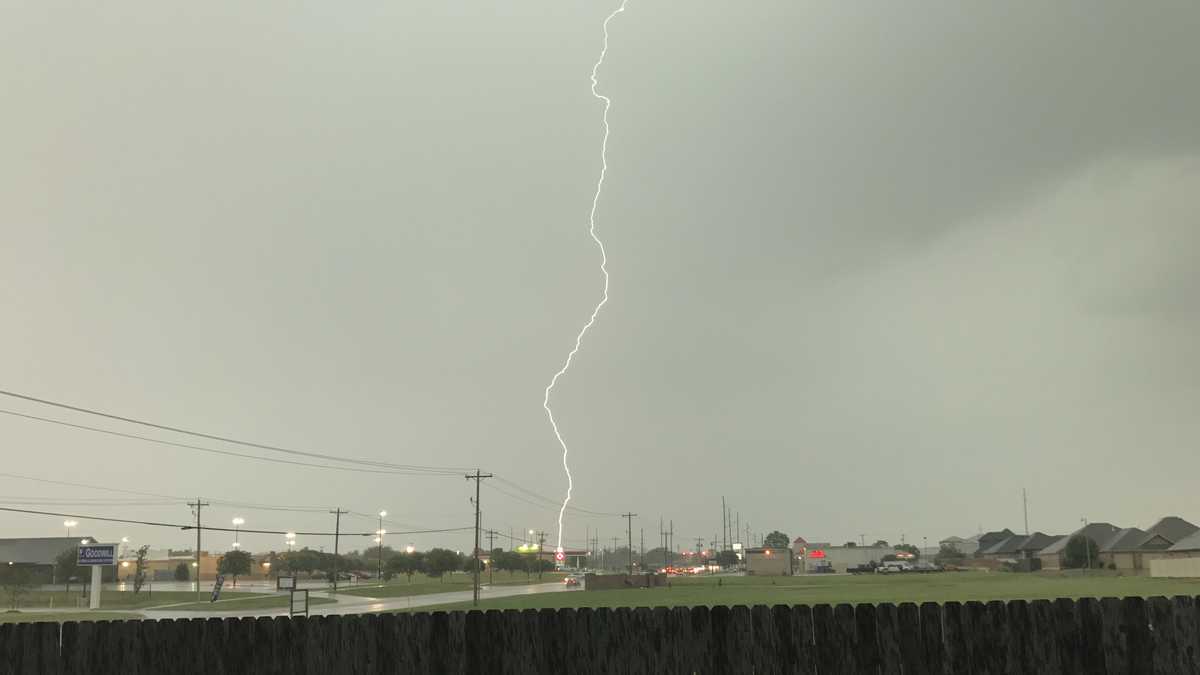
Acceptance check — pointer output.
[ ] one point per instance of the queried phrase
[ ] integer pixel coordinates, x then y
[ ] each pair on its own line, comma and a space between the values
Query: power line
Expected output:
554, 502
207, 528
227, 439
228, 453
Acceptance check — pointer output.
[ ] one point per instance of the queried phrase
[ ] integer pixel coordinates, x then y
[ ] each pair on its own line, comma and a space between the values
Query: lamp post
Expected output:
69, 524
291, 540
379, 539
237, 523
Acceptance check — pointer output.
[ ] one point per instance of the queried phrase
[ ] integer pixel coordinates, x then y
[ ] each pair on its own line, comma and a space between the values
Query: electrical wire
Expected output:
208, 528
227, 439
228, 453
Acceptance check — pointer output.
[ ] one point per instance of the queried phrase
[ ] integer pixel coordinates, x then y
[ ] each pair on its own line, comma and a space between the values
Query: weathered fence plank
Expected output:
957, 656
931, 636
1045, 646
1187, 626
887, 636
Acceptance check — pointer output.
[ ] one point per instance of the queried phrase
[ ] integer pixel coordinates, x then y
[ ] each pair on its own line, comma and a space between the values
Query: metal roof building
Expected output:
36, 551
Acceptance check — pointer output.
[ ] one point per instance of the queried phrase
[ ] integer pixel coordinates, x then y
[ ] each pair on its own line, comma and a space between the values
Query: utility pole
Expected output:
541, 545
671, 540
337, 532
738, 520
663, 542
724, 526
491, 547
1025, 505
478, 478
629, 535
699, 544
862, 539
199, 504
1087, 546
642, 560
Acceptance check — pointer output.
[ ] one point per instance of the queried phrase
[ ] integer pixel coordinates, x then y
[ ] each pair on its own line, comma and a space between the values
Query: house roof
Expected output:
1101, 533
1172, 528
1007, 545
1128, 539
1188, 543
36, 551
1038, 541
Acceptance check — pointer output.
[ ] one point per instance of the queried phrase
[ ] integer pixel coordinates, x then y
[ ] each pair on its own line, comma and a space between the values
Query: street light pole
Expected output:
379, 562
237, 524
69, 524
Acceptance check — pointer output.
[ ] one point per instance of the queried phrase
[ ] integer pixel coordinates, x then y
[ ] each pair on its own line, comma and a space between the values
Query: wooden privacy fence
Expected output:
1130, 635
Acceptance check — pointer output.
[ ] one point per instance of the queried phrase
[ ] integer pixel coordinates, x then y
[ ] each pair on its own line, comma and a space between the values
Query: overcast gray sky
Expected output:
875, 267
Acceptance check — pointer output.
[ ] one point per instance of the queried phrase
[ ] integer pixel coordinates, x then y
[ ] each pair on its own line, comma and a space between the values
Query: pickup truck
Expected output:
894, 566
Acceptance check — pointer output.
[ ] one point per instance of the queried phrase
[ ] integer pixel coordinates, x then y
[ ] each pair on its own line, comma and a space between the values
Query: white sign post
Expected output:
96, 556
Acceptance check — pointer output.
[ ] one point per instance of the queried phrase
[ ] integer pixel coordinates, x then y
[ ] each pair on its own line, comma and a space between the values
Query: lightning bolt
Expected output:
603, 269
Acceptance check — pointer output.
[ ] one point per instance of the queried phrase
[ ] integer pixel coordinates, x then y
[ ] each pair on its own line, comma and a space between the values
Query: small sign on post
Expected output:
298, 602
96, 556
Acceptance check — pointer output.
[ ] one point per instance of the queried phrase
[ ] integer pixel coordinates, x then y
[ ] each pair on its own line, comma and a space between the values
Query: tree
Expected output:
235, 563
139, 570
66, 567
949, 553
407, 564
438, 561
1081, 552
881, 543
16, 580
182, 573
776, 539
909, 548
727, 559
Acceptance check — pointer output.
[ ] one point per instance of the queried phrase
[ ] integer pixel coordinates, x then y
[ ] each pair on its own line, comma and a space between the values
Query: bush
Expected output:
183, 572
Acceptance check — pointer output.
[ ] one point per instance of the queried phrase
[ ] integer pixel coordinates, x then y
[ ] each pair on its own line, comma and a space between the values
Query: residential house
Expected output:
990, 539
1053, 556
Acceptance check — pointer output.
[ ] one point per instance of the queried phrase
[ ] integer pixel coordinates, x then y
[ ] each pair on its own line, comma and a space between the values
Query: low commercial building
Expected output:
841, 558
38, 553
768, 561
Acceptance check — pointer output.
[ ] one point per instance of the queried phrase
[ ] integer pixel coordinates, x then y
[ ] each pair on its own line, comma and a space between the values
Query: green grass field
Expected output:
114, 599
59, 617
423, 585
820, 589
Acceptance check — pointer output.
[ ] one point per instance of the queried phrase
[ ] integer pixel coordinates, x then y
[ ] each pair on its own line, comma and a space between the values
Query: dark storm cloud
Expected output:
875, 268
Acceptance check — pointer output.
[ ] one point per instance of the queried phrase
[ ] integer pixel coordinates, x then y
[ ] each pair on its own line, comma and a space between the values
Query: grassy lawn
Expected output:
59, 617
810, 590
423, 585
114, 599
255, 602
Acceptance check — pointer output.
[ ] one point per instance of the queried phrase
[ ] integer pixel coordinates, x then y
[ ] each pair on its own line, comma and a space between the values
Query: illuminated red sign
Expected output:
816, 554
560, 556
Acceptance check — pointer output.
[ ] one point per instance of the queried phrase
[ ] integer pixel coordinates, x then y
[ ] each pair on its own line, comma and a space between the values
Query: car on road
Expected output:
572, 580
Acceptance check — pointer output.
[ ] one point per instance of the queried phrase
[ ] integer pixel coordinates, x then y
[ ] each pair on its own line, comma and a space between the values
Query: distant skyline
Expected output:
874, 269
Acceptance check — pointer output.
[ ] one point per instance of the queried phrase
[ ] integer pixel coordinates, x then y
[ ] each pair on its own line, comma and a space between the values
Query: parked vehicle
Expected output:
926, 567
821, 567
868, 568
894, 567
